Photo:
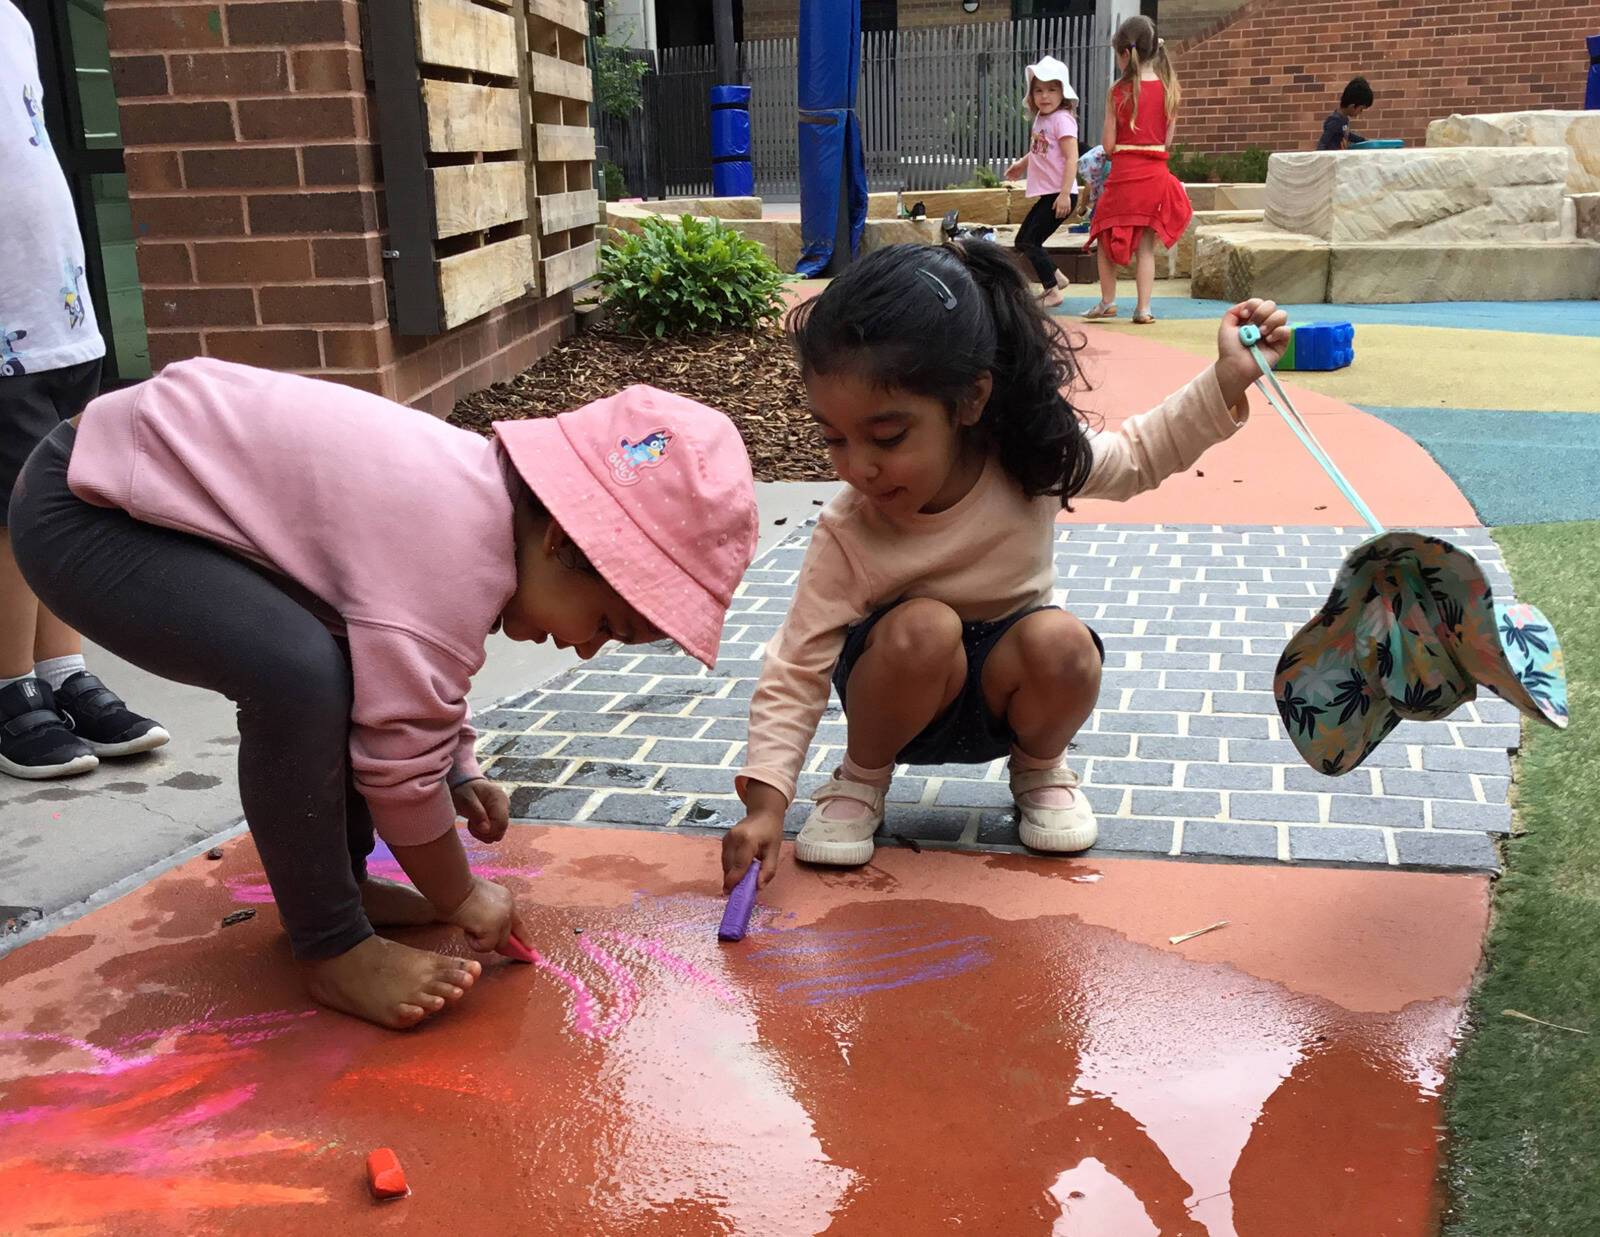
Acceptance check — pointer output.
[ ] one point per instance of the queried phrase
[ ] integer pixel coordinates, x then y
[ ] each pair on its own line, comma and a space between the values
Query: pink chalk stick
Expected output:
516, 950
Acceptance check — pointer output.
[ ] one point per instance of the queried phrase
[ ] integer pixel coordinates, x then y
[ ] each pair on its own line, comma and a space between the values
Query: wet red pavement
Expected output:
989, 1043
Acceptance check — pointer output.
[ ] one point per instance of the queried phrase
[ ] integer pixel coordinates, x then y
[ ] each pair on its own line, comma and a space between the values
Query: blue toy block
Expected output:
1319, 346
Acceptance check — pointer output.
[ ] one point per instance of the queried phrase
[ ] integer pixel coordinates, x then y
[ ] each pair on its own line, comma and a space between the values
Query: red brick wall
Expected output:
258, 205
1273, 73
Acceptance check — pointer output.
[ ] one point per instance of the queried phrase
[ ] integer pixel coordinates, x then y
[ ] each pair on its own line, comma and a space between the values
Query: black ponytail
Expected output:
932, 320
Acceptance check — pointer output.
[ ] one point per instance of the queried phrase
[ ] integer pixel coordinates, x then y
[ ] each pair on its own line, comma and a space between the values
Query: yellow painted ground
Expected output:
1421, 366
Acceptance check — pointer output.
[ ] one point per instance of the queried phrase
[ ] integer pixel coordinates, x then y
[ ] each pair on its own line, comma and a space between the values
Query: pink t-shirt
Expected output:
1047, 166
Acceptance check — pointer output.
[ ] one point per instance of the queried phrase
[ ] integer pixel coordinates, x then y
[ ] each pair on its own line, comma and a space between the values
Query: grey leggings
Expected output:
187, 610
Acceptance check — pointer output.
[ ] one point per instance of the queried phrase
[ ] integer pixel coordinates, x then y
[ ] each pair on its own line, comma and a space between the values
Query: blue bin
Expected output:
732, 173
1591, 95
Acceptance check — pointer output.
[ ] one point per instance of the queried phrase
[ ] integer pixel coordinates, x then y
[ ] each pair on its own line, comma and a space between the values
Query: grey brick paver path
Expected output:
1185, 756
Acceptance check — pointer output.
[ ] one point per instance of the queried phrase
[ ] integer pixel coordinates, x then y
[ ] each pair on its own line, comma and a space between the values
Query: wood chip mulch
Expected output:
752, 378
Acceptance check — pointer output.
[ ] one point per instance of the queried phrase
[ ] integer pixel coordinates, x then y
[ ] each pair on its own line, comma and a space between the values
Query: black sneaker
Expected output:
36, 741
101, 720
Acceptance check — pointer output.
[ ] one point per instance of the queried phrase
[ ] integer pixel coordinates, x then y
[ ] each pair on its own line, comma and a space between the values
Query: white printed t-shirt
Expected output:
46, 315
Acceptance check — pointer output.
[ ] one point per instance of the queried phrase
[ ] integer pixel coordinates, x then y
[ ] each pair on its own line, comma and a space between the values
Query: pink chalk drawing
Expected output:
623, 987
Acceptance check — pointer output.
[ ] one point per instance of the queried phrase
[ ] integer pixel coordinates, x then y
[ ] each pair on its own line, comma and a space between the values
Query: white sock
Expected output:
57, 670
851, 809
1045, 796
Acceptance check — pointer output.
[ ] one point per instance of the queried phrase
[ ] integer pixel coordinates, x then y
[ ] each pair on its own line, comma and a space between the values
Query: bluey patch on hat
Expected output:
630, 459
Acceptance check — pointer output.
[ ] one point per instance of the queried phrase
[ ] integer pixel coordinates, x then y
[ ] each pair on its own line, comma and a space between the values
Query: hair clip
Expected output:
946, 297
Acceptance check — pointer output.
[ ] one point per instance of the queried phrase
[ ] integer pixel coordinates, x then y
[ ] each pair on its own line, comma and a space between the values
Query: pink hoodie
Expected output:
400, 523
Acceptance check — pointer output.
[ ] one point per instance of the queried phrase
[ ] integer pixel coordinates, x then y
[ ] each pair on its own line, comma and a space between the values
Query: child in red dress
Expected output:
1142, 198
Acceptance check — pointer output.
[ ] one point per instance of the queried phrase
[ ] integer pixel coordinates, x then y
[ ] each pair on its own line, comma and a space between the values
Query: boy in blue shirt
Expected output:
1336, 131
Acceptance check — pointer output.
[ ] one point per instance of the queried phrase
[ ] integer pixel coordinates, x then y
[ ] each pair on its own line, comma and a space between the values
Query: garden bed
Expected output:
751, 377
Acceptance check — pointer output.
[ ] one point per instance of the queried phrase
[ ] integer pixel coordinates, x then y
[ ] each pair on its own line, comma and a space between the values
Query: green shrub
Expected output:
616, 186
689, 277
618, 78
1245, 167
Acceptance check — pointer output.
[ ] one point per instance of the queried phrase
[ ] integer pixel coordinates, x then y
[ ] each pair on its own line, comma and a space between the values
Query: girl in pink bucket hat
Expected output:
332, 563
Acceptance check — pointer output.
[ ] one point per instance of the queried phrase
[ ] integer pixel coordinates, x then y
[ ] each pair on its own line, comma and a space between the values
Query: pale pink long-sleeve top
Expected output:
987, 556
399, 524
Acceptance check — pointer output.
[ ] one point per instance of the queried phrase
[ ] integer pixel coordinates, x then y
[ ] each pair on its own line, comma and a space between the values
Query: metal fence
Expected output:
935, 104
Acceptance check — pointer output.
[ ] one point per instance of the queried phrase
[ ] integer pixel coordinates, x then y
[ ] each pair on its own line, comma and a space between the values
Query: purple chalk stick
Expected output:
741, 903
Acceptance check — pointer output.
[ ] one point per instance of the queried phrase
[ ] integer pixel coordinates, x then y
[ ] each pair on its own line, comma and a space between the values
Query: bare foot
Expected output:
389, 904
388, 983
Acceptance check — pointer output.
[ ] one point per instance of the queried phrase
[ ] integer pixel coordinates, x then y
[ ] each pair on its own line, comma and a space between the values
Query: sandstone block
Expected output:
1586, 215
1579, 132
1464, 271
1239, 197
779, 237
1426, 193
1233, 262
1182, 264
881, 232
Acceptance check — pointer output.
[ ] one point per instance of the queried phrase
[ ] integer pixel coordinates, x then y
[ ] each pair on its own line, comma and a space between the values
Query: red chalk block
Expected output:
516, 950
385, 1177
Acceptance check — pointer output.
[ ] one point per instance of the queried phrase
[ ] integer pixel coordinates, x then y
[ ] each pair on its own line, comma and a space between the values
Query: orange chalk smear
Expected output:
385, 1177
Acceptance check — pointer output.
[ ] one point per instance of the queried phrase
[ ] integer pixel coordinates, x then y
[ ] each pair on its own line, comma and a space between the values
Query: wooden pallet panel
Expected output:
560, 212
475, 197
561, 77
563, 143
463, 118
474, 282
568, 14
457, 34
566, 270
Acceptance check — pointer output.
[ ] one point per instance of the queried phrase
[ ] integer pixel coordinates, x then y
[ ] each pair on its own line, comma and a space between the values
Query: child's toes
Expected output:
450, 992
408, 1016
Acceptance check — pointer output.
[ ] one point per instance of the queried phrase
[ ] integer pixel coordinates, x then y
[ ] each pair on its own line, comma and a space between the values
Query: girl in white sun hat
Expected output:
1051, 165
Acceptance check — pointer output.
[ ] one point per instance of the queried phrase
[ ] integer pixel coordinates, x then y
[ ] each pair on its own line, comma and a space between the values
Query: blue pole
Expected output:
732, 173
1591, 96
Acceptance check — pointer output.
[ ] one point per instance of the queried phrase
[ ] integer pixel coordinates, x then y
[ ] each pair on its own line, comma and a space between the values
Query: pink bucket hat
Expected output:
657, 492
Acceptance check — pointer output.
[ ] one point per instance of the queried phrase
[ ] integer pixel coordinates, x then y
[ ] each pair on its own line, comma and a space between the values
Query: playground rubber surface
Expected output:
1507, 414
991, 1040
1262, 475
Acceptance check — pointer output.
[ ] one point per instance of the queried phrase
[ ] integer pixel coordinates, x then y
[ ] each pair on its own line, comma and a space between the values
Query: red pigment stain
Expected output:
944, 1041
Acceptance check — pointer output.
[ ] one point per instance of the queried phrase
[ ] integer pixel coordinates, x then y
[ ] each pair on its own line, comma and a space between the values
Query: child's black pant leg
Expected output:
1039, 226
184, 608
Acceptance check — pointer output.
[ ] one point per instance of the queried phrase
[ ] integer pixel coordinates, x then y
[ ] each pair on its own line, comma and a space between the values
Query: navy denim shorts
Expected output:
967, 732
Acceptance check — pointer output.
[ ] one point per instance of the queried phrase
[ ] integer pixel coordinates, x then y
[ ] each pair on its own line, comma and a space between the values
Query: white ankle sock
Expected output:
850, 809
1045, 796
57, 670
860, 773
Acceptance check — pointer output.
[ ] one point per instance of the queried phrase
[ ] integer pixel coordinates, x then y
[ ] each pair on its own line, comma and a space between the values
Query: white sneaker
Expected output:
1067, 828
840, 843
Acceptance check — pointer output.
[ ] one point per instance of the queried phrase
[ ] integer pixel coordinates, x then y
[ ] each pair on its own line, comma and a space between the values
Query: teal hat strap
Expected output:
1250, 337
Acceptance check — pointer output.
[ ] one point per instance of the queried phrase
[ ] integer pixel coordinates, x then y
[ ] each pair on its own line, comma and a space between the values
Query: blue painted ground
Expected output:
1514, 467
1531, 317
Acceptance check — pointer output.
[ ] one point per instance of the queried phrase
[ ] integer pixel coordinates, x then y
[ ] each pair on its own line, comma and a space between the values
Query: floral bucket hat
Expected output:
1410, 631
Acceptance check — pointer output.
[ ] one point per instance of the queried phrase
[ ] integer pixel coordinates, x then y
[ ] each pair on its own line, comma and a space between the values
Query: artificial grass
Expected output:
1523, 1104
